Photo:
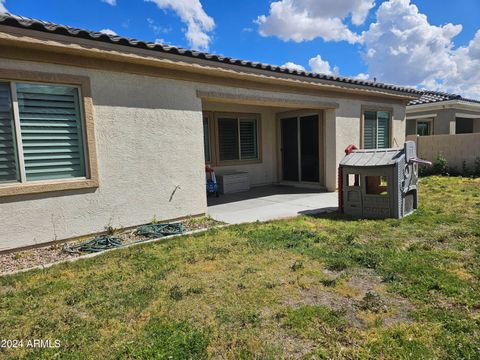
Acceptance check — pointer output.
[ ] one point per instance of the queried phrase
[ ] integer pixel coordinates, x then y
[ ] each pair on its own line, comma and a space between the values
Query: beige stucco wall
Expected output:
149, 139
148, 143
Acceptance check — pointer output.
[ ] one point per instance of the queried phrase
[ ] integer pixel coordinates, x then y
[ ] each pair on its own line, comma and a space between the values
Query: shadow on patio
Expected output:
270, 202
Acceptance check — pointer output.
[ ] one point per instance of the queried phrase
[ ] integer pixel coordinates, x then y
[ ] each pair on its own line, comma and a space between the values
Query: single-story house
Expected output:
99, 130
437, 113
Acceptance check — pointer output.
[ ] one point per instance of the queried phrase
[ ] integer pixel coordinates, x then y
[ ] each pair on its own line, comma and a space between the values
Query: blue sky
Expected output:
445, 59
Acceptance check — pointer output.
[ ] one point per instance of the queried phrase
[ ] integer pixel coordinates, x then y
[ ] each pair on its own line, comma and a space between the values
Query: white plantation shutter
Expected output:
376, 130
237, 138
228, 139
370, 130
51, 130
248, 138
383, 119
8, 162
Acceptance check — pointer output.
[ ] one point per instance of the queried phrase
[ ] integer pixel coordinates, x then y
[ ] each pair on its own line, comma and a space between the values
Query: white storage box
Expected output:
233, 181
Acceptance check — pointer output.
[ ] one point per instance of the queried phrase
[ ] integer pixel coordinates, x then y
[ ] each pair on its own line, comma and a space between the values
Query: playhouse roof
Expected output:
374, 157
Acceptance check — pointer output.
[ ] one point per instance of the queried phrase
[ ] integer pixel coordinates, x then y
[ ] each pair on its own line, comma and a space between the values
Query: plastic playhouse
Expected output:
379, 183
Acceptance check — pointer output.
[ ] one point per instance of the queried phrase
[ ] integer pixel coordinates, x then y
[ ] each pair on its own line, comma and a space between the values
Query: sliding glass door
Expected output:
300, 148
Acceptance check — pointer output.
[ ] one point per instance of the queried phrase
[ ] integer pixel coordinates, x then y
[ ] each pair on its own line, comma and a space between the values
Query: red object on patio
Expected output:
349, 149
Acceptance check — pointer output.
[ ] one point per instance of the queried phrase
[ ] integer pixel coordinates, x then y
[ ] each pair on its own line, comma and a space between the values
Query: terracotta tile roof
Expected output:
39, 25
429, 97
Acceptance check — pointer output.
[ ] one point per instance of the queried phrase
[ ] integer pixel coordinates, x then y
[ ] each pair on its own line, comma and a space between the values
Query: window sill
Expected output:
46, 186
238, 162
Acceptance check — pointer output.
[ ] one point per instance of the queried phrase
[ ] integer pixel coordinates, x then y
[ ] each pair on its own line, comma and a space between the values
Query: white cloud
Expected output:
3, 9
303, 20
362, 76
317, 65
157, 29
108, 32
110, 2
320, 66
404, 48
199, 24
292, 66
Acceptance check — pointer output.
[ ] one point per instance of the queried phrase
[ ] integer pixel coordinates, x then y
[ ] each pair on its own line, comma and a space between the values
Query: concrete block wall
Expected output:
455, 148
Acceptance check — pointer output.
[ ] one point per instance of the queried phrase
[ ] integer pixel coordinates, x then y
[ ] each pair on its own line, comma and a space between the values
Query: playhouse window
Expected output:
353, 180
376, 185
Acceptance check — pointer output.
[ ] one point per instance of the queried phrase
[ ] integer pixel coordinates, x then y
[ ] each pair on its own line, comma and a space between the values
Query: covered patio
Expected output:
270, 202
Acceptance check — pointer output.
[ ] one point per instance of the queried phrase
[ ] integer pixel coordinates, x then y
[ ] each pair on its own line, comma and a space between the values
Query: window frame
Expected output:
364, 108
430, 126
211, 151
82, 84
213, 117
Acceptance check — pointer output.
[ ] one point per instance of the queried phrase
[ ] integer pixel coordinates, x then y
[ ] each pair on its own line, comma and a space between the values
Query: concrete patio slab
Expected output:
270, 202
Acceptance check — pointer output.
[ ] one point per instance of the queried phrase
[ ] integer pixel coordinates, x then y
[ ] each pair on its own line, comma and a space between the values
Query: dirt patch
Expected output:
352, 298
293, 347
43, 256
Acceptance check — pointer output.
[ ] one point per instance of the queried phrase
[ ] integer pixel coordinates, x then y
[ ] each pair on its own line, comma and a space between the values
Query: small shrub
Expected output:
373, 302
440, 167
110, 230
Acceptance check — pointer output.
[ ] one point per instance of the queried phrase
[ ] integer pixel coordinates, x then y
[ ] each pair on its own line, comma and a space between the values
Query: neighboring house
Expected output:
437, 113
99, 130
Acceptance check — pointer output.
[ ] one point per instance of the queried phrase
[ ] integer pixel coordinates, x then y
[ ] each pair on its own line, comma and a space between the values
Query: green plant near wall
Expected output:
440, 167
476, 167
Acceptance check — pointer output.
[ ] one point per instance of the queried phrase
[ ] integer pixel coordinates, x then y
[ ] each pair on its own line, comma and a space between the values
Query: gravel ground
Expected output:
53, 253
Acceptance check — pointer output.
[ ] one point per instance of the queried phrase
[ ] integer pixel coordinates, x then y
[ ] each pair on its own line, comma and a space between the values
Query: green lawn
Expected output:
328, 287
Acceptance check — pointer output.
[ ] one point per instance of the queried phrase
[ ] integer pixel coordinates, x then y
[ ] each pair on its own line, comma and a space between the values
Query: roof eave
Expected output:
446, 104
32, 39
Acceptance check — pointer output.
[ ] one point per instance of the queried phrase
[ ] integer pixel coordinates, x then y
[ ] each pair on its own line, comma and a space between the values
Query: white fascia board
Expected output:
441, 105
427, 116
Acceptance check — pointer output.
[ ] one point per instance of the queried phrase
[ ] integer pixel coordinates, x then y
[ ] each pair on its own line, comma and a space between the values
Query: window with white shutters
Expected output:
228, 139
237, 138
376, 130
8, 157
41, 133
248, 138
